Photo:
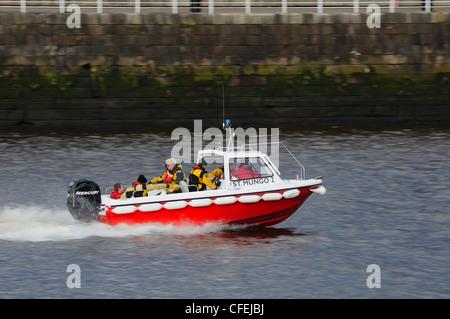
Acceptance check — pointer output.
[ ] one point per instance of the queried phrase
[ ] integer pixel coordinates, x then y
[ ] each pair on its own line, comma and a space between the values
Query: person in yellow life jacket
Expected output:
171, 177
140, 188
137, 188
198, 179
216, 174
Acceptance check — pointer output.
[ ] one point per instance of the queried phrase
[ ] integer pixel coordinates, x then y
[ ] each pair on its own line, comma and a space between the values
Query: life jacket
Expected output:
245, 172
168, 177
175, 176
115, 195
195, 178
139, 193
218, 173
222, 172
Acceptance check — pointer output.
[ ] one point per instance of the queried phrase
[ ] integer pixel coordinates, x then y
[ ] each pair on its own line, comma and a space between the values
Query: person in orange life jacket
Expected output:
118, 191
171, 177
198, 179
245, 171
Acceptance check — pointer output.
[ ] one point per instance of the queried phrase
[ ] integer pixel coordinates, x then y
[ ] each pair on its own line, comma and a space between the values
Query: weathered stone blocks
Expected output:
285, 66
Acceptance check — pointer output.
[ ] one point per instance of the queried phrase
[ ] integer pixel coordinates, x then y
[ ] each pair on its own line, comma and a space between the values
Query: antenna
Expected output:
223, 106
226, 124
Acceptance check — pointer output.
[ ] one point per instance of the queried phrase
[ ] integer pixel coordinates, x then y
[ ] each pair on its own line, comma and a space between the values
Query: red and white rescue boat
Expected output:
264, 200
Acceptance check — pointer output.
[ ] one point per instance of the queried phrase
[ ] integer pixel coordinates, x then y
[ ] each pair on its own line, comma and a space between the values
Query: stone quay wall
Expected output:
157, 68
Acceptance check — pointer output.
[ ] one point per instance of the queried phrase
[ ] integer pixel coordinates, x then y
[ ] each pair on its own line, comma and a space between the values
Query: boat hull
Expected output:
256, 209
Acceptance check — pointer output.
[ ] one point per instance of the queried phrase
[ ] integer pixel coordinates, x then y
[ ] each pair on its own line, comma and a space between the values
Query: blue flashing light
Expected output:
227, 124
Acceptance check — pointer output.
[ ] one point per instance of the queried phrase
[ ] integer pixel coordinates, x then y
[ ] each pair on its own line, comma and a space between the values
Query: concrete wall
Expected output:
163, 67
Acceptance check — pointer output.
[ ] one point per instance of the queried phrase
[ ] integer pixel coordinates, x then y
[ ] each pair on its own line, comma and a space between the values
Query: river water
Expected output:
387, 203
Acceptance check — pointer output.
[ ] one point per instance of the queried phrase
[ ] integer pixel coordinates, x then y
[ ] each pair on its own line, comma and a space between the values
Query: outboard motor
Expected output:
84, 200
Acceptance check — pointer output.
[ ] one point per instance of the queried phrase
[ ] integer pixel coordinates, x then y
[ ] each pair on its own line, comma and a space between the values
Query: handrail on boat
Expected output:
302, 168
109, 189
302, 174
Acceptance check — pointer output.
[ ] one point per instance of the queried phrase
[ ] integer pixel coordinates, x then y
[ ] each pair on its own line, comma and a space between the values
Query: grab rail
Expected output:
302, 168
302, 174
109, 189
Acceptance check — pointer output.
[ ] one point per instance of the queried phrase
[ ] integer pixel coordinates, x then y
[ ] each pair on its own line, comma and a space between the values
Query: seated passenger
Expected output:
118, 191
245, 171
198, 179
140, 188
137, 190
171, 177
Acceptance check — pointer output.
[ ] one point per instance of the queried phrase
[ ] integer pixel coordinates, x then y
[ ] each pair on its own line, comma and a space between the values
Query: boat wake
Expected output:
37, 224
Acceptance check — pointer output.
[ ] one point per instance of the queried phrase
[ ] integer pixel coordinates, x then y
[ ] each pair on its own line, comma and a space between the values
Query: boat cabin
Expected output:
242, 167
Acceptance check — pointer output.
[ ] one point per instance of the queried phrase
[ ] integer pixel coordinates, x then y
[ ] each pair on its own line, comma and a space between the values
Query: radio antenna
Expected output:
226, 124
223, 105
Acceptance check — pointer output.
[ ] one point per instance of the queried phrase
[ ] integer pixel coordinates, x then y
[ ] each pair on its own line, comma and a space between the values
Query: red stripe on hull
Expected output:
262, 213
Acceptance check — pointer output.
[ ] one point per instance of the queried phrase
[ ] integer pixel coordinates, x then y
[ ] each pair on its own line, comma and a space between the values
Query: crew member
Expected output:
198, 179
217, 174
171, 177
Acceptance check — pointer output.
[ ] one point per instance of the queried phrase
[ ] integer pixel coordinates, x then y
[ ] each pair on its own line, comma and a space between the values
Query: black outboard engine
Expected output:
84, 201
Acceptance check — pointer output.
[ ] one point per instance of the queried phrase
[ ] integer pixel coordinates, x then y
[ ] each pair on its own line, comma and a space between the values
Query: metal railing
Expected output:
230, 6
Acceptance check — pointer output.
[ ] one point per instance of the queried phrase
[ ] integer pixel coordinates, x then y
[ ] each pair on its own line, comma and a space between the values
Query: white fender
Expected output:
176, 205
225, 200
200, 202
150, 207
271, 197
291, 193
319, 190
124, 209
248, 199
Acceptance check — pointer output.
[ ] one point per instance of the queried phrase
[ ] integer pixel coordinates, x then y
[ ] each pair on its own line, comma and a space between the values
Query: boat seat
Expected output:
184, 187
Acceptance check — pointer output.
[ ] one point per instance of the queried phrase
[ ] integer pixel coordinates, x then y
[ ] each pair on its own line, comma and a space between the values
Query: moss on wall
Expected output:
284, 68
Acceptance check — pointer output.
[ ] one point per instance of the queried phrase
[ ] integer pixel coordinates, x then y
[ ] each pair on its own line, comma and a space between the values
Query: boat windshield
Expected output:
248, 167
212, 160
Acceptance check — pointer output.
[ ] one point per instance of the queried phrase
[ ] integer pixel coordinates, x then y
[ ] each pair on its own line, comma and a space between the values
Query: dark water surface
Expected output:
388, 203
